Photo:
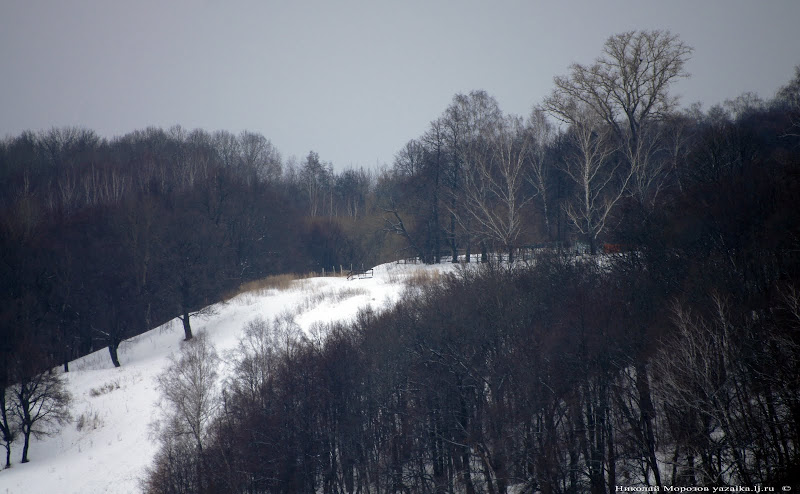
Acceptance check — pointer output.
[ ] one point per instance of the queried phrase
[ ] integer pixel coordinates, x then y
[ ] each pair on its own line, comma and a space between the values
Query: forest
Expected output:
633, 321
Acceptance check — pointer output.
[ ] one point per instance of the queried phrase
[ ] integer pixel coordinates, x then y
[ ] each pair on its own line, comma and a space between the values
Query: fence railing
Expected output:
360, 274
523, 254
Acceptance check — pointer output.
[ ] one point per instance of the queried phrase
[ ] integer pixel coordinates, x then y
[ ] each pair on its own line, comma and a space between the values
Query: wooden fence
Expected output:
360, 274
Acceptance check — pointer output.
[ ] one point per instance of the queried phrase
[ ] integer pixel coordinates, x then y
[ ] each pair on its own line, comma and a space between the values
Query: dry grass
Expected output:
89, 419
317, 296
104, 389
393, 276
278, 282
417, 278
421, 278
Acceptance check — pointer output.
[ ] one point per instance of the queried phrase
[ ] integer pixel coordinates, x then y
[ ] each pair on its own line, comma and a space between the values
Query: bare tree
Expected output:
315, 178
351, 190
259, 157
725, 381
393, 223
628, 88
435, 142
419, 174
599, 180
227, 148
468, 118
254, 360
8, 429
190, 396
410, 160
541, 134
40, 404
678, 137
493, 187
789, 95
189, 388
745, 104
257, 357
186, 315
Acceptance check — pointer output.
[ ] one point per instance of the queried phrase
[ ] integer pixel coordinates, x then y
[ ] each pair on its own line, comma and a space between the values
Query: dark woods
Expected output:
563, 377
102, 240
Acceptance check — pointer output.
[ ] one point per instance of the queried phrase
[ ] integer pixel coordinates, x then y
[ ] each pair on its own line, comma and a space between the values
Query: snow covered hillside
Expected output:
107, 445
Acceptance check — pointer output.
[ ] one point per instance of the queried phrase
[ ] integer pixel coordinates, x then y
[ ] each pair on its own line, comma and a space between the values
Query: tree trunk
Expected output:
4, 425
547, 228
112, 349
187, 325
647, 411
612, 458
675, 459
437, 253
452, 234
26, 431
469, 487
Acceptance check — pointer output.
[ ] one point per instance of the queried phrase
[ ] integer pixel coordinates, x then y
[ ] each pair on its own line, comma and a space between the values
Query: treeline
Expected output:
104, 239
609, 140
673, 360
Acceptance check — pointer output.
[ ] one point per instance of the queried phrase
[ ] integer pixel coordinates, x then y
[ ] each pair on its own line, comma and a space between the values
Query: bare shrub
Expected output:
256, 357
176, 468
89, 420
104, 389
189, 389
725, 380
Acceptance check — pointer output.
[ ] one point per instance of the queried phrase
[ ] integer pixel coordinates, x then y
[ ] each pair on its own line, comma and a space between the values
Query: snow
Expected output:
107, 445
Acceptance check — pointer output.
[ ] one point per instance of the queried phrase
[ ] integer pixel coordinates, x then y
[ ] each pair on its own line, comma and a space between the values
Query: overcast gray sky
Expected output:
352, 80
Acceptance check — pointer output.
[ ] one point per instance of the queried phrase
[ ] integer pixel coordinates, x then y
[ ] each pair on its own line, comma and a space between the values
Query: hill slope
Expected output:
107, 445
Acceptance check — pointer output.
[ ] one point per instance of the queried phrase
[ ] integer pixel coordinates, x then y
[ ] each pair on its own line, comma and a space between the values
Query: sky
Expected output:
351, 80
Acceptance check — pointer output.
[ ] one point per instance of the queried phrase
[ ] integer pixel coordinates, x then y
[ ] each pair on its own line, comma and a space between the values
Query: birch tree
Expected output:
789, 95
541, 134
468, 119
189, 388
493, 189
599, 180
315, 178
